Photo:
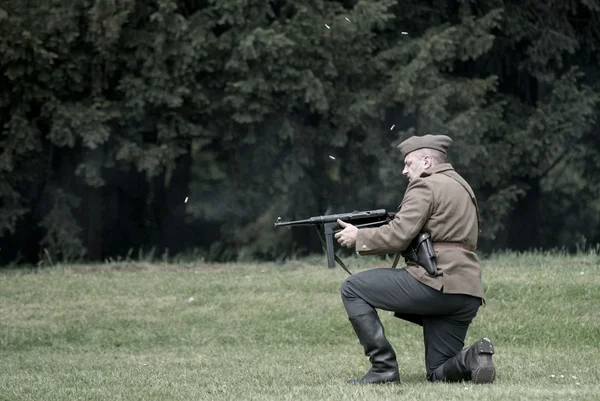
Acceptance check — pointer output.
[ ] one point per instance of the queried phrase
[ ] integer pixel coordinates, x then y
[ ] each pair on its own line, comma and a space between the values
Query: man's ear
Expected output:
428, 161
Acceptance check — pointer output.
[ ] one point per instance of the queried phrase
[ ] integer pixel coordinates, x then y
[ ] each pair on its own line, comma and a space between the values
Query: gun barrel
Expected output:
349, 216
332, 218
304, 222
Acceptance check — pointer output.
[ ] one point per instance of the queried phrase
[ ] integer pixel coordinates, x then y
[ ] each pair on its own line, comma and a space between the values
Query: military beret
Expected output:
437, 142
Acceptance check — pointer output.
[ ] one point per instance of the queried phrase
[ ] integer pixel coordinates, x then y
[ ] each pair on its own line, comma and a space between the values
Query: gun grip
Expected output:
329, 244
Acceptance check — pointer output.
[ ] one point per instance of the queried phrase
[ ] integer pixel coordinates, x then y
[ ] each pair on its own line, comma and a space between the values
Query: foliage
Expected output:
261, 109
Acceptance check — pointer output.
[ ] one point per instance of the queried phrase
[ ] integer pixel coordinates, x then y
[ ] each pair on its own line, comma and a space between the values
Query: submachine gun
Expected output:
368, 218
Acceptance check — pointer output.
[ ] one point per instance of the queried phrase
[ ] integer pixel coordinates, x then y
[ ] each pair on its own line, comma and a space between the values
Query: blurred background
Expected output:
113, 113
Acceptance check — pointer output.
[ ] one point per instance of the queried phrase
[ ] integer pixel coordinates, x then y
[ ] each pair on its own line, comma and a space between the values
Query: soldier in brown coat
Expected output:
440, 202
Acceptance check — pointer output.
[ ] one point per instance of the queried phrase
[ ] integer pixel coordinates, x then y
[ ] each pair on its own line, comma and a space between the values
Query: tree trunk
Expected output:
523, 224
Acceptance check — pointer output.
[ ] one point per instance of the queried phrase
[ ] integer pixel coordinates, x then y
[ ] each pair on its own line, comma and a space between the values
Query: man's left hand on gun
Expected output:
346, 237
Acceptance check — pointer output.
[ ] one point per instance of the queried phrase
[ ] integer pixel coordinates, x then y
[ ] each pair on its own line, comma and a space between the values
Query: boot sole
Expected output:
360, 381
385, 380
485, 372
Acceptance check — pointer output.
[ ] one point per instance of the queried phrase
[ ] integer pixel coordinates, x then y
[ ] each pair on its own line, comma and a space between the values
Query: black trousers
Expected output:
445, 317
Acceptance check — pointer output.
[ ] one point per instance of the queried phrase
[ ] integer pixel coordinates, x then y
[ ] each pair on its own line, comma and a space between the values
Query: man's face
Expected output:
414, 164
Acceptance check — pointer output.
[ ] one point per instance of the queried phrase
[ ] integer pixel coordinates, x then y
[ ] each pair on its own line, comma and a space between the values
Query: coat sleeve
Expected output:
415, 210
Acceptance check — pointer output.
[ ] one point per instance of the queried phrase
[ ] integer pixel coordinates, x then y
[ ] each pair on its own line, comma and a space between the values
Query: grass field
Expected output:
136, 331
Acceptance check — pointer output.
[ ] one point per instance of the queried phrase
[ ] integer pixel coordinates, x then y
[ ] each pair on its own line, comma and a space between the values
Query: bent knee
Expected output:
347, 288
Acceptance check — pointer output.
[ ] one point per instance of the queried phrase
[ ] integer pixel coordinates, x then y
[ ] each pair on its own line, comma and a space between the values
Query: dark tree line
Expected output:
113, 112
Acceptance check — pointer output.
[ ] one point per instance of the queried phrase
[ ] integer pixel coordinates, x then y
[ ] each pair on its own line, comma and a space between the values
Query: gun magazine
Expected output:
337, 259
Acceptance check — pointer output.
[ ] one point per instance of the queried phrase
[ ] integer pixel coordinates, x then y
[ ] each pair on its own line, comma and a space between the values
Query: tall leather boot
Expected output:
472, 363
370, 333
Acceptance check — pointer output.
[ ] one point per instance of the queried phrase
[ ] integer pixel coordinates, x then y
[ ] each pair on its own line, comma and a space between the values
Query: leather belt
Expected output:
437, 246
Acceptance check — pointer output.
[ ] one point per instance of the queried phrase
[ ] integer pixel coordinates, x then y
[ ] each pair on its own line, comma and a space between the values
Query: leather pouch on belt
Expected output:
420, 251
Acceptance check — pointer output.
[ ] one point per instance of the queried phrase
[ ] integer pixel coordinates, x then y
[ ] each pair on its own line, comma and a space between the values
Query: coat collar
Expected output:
437, 169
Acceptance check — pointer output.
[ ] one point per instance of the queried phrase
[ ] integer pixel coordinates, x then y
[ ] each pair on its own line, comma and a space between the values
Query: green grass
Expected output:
130, 331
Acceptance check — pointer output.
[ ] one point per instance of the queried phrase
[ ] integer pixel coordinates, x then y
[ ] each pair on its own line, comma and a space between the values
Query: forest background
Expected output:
186, 127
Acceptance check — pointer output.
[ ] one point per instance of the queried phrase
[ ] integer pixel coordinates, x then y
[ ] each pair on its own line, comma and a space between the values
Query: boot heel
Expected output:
485, 372
485, 346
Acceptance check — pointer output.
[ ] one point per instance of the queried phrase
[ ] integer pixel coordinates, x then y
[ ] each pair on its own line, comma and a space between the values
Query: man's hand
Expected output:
346, 237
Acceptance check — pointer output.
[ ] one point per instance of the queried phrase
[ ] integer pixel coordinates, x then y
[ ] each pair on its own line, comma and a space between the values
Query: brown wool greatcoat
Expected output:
443, 204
